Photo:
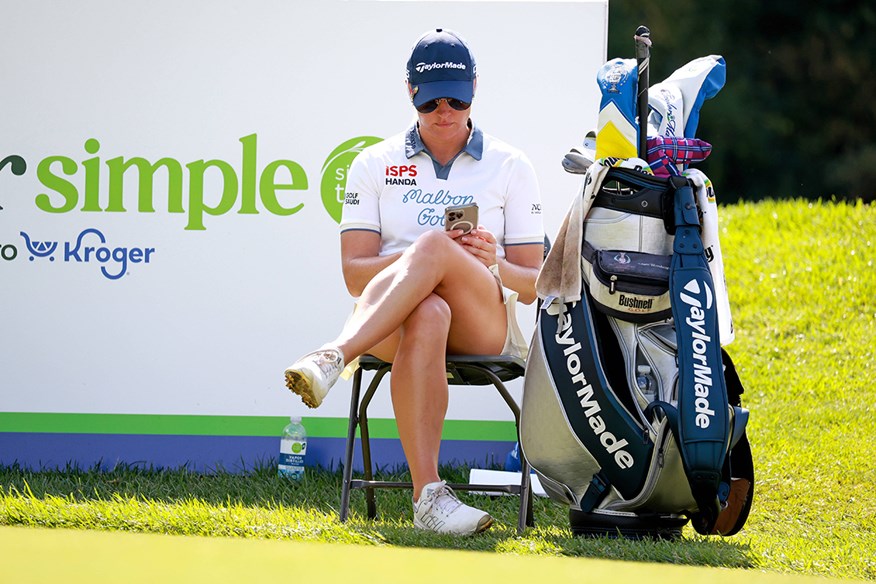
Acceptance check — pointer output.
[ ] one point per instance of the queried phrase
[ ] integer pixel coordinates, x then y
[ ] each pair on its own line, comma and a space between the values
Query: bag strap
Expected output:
595, 414
703, 423
596, 491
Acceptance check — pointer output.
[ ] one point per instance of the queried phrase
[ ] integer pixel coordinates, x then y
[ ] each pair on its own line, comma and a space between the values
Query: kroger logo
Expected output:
90, 247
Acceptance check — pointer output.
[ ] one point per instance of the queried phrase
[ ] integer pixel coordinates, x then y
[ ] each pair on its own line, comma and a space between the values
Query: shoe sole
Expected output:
301, 386
484, 524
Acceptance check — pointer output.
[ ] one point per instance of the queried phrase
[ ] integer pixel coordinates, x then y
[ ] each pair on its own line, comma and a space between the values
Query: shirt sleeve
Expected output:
361, 210
523, 219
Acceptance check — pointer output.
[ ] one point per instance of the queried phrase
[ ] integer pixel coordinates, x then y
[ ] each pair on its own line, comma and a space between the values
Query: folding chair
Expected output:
461, 370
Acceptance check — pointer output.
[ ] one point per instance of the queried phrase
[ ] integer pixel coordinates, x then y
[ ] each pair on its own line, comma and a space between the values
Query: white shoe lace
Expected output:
442, 498
329, 361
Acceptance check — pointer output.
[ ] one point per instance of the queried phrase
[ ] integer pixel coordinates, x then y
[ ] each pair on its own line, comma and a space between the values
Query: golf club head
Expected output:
579, 159
576, 163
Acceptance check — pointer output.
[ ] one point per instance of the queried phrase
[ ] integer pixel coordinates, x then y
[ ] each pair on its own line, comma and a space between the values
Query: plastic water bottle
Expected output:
646, 383
293, 448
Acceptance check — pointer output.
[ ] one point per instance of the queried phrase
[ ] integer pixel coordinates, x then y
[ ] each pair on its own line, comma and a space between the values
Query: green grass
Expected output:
802, 286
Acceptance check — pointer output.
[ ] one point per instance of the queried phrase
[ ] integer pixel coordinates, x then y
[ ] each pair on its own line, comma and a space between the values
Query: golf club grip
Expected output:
643, 59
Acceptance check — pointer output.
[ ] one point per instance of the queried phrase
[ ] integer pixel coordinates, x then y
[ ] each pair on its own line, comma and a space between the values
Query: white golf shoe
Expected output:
314, 374
439, 510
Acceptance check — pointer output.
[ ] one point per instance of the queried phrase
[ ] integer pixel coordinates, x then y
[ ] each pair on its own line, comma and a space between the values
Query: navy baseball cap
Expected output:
441, 65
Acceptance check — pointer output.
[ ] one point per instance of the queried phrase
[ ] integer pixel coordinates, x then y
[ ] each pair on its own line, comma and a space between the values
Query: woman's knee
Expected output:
431, 318
433, 244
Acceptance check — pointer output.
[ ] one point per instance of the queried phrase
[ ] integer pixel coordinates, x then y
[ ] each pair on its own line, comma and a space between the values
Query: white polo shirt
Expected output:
395, 188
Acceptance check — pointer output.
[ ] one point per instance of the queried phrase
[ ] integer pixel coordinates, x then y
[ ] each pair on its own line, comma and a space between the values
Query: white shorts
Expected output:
515, 342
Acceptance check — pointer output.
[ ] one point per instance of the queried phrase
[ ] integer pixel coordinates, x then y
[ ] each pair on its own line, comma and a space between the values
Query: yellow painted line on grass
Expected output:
74, 556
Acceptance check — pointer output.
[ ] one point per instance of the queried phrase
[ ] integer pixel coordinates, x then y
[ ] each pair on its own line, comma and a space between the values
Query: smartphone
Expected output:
463, 217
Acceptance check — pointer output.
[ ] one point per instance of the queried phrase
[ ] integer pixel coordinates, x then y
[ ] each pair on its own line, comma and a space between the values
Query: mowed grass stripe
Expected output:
94, 557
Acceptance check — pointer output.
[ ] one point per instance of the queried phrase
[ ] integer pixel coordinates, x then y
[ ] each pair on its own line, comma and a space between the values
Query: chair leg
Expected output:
525, 517
351, 442
365, 439
370, 502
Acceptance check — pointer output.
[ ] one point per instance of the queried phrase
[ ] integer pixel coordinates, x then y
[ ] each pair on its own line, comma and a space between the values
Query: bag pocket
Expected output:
629, 285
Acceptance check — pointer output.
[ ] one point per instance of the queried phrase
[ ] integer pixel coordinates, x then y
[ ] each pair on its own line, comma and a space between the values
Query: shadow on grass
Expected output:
262, 491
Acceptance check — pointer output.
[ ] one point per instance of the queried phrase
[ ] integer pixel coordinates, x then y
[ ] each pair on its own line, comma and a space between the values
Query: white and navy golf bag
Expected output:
631, 411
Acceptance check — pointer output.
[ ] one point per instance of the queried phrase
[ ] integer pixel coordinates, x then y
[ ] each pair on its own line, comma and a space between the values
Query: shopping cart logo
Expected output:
89, 247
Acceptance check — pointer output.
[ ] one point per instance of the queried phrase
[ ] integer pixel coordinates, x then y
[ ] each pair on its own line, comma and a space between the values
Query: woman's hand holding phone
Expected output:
481, 243
461, 224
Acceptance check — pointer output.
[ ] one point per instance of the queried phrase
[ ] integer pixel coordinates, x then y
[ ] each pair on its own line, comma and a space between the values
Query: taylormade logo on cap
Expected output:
421, 67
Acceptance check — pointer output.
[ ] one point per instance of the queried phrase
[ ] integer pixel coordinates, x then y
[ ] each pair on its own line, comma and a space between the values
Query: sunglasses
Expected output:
431, 106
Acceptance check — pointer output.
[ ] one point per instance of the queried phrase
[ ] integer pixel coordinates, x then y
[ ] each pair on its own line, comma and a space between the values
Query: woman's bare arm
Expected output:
360, 261
519, 269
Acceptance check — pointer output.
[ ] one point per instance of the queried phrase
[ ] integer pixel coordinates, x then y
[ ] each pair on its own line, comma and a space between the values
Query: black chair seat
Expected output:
467, 369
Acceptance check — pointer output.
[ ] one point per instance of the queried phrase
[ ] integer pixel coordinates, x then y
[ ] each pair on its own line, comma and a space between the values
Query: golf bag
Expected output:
631, 411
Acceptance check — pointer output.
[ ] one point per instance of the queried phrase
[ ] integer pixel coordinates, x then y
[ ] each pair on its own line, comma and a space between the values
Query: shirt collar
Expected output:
474, 147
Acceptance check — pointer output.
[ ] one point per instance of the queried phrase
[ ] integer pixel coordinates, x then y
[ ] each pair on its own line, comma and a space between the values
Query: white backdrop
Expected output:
209, 323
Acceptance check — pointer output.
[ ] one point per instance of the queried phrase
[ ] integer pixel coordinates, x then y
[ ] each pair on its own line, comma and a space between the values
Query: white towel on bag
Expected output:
705, 194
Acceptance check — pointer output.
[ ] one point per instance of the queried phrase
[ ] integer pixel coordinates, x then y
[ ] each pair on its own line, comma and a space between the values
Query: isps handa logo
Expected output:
90, 247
